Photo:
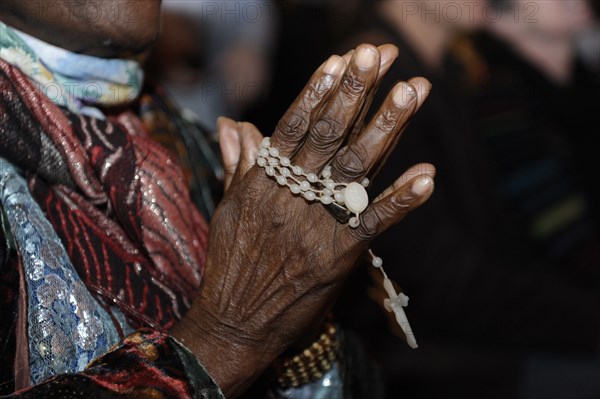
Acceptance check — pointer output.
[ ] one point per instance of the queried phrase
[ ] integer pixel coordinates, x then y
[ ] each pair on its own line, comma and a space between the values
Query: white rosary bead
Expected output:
273, 161
297, 170
326, 199
312, 177
356, 198
274, 152
365, 182
327, 172
305, 186
261, 162
270, 171
295, 189
327, 191
281, 180
309, 195
285, 172
263, 152
354, 222
285, 161
266, 142
339, 197
329, 184
377, 261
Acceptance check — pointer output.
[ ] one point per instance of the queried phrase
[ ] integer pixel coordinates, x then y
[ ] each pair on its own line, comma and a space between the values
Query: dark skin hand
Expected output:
275, 262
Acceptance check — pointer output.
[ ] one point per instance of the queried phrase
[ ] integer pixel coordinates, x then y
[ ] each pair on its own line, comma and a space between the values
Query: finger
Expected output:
230, 143
392, 208
388, 53
292, 128
348, 56
358, 158
423, 87
250, 138
416, 170
329, 129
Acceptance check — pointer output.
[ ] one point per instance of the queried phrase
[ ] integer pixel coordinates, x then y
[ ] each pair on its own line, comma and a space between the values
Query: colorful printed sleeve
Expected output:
145, 365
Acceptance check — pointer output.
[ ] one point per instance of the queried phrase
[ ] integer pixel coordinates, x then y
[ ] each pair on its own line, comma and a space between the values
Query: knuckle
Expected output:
294, 124
326, 132
370, 226
386, 120
353, 86
316, 90
401, 202
350, 162
271, 216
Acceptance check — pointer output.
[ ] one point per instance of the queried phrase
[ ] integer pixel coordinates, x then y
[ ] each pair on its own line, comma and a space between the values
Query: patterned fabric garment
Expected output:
127, 214
193, 145
83, 84
118, 203
66, 327
147, 364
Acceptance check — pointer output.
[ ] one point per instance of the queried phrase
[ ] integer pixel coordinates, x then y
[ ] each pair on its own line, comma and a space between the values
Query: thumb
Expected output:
230, 143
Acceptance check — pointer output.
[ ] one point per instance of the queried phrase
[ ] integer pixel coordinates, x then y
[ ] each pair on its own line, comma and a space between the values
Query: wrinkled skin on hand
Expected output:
276, 262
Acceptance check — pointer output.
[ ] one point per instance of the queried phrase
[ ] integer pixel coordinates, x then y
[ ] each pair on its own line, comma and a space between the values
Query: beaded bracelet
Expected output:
312, 363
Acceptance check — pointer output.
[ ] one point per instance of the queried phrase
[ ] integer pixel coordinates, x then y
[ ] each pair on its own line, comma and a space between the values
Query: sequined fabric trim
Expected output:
67, 328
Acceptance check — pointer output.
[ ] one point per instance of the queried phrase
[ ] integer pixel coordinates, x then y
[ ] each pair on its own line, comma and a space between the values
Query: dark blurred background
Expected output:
502, 265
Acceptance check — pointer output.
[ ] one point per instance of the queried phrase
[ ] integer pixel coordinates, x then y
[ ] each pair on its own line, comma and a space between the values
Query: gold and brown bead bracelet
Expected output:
312, 363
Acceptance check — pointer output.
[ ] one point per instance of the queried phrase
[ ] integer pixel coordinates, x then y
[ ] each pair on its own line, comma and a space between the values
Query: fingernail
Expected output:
386, 62
423, 87
422, 185
404, 94
365, 57
387, 59
224, 123
334, 65
427, 169
428, 87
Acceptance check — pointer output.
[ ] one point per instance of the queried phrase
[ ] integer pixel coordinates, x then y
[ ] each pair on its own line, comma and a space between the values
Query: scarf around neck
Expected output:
113, 202
78, 82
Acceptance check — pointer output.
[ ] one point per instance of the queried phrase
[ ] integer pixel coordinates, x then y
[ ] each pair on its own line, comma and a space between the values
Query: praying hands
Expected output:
276, 261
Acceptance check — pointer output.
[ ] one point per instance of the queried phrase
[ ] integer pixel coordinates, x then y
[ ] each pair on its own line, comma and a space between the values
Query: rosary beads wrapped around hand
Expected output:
350, 197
